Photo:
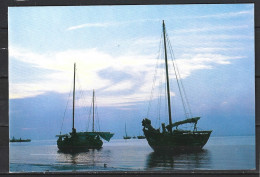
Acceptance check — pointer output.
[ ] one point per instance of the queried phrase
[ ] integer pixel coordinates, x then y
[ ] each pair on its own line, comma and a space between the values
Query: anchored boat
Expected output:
82, 141
170, 139
126, 137
141, 137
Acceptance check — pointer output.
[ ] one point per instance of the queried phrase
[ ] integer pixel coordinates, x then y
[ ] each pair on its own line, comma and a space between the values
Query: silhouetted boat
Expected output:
82, 141
19, 140
174, 140
126, 137
140, 137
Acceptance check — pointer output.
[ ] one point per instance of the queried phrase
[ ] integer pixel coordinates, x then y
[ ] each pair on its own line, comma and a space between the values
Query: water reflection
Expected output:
222, 153
179, 160
93, 158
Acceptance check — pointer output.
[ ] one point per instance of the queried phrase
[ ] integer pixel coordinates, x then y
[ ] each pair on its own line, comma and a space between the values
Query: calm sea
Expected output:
220, 153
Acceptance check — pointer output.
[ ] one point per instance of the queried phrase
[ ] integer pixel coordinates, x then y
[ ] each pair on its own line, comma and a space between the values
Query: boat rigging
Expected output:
169, 140
82, 141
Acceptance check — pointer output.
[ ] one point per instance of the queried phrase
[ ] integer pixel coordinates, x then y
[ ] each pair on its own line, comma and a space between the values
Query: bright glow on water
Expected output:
220, 153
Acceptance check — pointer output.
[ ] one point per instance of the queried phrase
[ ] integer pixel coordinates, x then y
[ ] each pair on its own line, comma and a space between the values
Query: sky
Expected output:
116, 50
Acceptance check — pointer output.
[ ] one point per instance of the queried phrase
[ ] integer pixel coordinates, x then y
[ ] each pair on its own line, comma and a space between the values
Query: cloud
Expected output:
219, 15
120, 86
91, 62
216, 49
88, 25
111, 23
224, 103
206, 38
211, 28
60, 64
24, 90
190, 63
223, 15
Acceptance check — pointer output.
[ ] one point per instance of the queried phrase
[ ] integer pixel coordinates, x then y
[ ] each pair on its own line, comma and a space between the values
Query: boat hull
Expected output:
79, 143
140, 137
177, 140
127, 137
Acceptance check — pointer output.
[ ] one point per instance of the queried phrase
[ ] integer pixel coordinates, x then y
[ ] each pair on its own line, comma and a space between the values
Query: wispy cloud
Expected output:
88, 25
216, 49
112, 23
219, 15
125, 85
212, 37
223, 15
211, 28
61, 66
231, 14
140, 67
190, 62
196, 52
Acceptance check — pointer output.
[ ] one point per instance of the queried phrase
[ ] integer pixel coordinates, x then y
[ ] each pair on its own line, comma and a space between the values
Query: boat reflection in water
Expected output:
192, 160
93, 159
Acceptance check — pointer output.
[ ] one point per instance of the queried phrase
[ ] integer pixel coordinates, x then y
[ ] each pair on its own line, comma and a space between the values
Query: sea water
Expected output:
220, 153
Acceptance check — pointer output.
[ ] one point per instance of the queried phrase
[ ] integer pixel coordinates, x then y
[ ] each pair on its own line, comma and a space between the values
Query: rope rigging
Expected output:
89, 115
84, 98
184, 99
154, 77
97, 116
181, 87
159, 102
82, 103
65, 110
177, 79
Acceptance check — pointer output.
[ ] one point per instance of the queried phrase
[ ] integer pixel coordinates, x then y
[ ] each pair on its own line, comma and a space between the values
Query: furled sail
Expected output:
176, 124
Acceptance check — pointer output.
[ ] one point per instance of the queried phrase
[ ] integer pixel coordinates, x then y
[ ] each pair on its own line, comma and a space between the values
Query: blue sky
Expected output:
116, 49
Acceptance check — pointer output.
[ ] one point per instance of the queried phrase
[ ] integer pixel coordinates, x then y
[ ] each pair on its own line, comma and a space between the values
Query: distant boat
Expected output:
134, 137
19, 140
141, 137
169, 140
126, 137
82, 141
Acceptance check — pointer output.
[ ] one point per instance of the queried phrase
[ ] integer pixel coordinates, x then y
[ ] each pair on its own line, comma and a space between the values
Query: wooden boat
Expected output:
169, 140
126, 137
82, 141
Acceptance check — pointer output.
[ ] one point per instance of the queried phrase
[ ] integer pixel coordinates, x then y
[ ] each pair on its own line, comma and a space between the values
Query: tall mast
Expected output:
167, 75
73, 113
125, 130
93, 110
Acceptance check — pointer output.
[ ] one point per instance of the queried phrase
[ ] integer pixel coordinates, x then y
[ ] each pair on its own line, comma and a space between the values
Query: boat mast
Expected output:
167, 76
93, 110
125, 130
73, 112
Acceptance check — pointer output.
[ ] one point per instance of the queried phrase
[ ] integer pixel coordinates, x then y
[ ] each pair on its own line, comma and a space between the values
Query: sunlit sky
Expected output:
115, 49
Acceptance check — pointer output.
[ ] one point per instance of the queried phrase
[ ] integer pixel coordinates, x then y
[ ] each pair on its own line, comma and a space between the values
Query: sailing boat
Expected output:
140, 137
170, 140
126, 137
81, 141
